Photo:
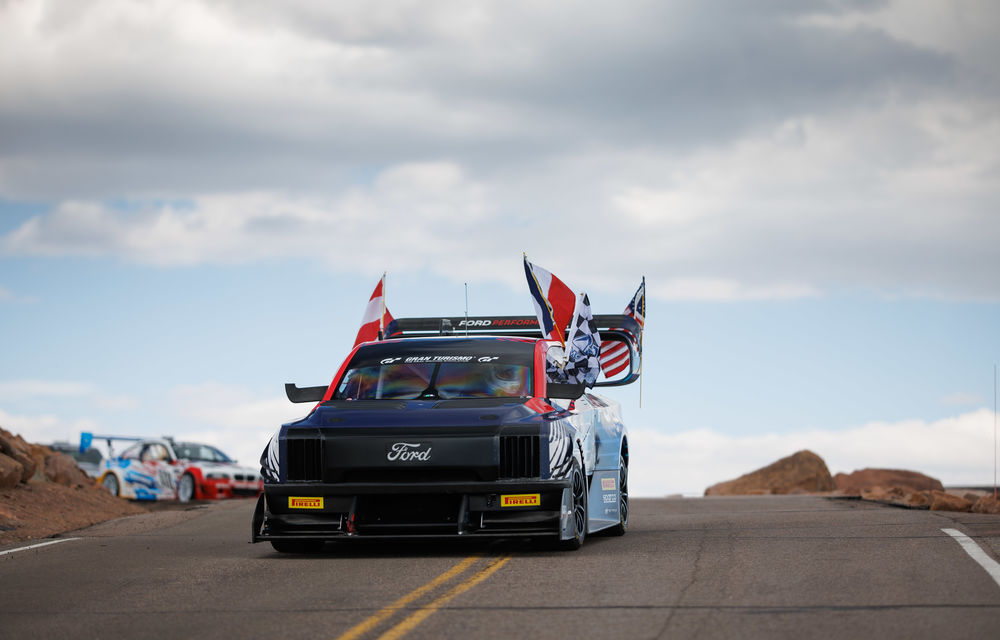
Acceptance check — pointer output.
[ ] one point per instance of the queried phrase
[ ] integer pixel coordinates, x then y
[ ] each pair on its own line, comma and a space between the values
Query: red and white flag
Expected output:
614, 354
377, 322
554, 301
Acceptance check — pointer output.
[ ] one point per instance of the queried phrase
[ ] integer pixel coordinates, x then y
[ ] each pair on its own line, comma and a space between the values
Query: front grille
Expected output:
403, 476
305, 459
519, 457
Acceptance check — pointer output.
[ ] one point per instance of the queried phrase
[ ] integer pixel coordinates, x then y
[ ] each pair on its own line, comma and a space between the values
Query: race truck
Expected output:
439, 432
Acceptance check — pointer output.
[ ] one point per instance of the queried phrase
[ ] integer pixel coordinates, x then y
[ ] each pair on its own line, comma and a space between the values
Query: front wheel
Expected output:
110, 482
185, 488
579, 512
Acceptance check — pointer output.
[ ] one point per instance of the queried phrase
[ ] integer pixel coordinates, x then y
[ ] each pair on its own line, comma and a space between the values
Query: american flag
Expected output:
614, 354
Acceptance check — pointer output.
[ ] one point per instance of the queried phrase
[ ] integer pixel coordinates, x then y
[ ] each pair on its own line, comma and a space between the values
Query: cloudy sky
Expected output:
197, 198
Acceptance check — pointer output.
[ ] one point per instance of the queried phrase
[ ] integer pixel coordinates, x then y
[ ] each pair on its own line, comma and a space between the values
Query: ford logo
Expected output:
407, 452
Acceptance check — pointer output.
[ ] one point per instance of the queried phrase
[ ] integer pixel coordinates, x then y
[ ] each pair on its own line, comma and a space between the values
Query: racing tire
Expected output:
297, 546
579, 489
110, 482
622, 526
185, 488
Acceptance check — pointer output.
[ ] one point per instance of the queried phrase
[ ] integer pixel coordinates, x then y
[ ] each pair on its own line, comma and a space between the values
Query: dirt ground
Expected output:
46, 509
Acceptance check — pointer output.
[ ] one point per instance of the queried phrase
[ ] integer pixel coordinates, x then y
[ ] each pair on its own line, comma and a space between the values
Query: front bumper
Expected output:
317, 511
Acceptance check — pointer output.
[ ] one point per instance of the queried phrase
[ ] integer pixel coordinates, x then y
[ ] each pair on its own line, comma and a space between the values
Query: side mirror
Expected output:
563, 391
304, 394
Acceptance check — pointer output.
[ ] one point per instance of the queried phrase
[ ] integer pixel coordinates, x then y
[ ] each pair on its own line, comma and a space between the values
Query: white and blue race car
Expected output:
162, 469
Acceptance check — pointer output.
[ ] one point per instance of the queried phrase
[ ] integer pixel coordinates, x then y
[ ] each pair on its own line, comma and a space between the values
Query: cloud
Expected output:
8, 296
956, 450
14, 390
230, 417
963, 398
814, 148
46, 428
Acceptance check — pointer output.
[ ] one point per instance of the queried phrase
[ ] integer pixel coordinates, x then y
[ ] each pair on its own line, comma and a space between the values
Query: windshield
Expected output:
201, 452
439, 370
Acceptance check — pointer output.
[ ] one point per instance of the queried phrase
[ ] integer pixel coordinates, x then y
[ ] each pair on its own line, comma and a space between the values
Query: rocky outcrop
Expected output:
15, 448
44, 492
943, 501
802, 472
986, 504
62, 469
868, 479
21, 462
10, 472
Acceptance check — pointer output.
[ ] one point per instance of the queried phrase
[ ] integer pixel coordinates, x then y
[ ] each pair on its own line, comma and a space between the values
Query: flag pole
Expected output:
642, 330
381, 316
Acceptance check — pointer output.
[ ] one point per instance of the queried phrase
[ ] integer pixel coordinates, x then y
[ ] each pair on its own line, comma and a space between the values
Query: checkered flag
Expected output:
584, 343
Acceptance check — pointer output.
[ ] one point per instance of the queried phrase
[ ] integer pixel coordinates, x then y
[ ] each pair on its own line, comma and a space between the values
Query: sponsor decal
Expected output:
521, 500
420, 359
305, 503
408, 452
500, 322
607, 484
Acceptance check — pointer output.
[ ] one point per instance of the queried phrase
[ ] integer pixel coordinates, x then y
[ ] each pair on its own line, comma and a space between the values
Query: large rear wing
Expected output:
613, 328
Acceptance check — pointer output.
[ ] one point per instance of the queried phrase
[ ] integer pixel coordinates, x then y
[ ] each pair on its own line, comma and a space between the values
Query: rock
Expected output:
918, 499
39, 453
10, 472
943, 501
62, 469
855, 483
15, 447
986, 504
800, 472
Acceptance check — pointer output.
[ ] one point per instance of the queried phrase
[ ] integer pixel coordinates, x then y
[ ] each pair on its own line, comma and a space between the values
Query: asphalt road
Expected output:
753, 567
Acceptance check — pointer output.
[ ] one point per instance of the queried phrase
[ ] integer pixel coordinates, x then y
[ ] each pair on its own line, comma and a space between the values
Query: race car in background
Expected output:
432, 433
162, 469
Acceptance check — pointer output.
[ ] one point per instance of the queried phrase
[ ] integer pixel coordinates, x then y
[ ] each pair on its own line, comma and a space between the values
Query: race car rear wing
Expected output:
613, 328
87, 438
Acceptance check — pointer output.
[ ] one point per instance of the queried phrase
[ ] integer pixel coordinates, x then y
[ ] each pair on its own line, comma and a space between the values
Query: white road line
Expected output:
35, 546
976, 552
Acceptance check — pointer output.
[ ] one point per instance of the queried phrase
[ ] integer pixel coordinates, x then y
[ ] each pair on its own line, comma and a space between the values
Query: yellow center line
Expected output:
415, 618
371, 622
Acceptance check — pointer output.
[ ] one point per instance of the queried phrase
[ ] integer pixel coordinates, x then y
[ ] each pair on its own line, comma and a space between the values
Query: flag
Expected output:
377, 322
614, 354
583, 361
554, 301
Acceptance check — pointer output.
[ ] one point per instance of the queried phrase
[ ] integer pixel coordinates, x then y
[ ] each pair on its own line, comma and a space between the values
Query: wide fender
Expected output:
199, 479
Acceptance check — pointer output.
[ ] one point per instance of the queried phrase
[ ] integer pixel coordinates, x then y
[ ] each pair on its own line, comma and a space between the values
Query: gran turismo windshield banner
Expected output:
439, 369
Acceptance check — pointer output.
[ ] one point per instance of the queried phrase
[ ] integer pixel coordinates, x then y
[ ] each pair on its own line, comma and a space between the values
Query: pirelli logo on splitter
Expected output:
305, 503
521, 500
